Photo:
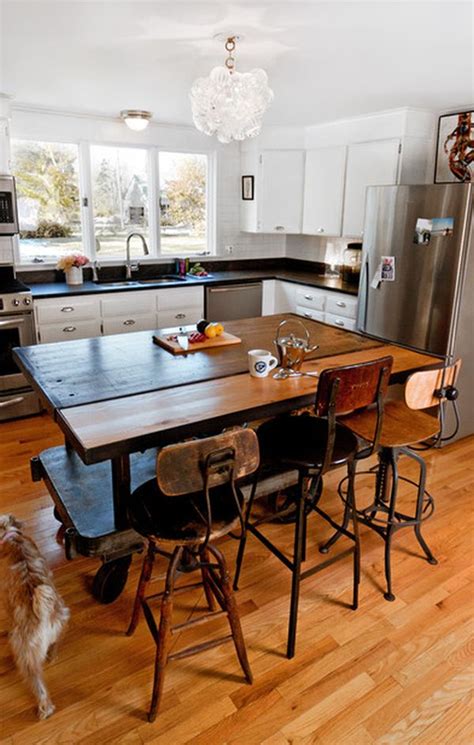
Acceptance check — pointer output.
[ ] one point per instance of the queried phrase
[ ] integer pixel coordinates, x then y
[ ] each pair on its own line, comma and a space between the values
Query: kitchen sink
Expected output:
164, 279
160, 280
119, 283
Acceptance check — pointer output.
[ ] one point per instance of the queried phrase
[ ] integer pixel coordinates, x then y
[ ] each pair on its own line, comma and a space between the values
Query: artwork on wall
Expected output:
455, 148
248, 187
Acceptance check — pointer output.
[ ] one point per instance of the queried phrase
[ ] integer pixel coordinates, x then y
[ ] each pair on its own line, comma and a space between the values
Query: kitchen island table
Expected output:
119, 398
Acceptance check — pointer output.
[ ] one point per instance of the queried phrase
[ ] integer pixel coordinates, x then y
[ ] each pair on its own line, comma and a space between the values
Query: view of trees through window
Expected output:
119, 198
48, 198
183, 189
119, 195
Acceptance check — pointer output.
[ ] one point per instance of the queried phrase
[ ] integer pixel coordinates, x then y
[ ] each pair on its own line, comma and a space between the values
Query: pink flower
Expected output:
67, 262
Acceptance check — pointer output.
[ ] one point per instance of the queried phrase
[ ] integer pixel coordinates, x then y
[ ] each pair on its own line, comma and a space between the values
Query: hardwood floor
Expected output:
396, 672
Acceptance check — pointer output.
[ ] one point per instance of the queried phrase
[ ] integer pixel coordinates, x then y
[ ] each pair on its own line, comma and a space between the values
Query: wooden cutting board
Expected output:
224, 340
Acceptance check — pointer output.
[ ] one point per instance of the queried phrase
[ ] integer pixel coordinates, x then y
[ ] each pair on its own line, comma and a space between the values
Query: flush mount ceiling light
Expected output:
230, 104
136, 119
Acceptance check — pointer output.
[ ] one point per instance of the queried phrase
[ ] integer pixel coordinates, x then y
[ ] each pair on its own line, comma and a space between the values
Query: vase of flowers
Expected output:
72, 265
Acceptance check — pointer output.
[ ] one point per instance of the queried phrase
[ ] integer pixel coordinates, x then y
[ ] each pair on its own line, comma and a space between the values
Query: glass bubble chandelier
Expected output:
230, 104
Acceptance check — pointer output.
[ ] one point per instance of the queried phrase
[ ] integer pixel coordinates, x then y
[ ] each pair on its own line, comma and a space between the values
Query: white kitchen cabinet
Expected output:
324, 191
281, 191
310, 297
340, 304
124, 304
182, 316
340, 321
68, 330
180, 297
67, 309
336, 308
315, 315
368, 164
284, 297
79, 317
124, 324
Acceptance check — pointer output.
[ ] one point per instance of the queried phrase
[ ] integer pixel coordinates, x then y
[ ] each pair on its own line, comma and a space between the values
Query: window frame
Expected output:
153, 178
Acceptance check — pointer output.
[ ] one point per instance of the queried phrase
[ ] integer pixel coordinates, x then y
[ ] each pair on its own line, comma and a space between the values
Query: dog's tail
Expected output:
46, 601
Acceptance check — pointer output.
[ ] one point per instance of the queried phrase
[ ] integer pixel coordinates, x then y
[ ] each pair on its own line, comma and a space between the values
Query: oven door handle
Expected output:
12, 322
11, 402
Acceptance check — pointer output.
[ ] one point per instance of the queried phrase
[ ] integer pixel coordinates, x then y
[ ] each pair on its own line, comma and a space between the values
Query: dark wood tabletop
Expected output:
74, 373
118, 427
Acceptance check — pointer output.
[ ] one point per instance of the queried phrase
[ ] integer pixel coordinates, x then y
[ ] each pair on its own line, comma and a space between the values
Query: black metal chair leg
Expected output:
324, 549
388, 595
355, 523
243, 539
305, 533
295, 580
419, 507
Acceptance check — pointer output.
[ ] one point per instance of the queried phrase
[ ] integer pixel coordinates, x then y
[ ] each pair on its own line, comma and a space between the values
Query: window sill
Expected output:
48, 265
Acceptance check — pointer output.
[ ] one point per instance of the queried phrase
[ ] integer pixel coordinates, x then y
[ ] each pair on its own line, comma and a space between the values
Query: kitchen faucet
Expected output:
129, 267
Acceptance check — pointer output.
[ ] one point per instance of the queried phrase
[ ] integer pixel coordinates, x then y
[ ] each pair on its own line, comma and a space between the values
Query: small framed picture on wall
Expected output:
455, 148
248, 187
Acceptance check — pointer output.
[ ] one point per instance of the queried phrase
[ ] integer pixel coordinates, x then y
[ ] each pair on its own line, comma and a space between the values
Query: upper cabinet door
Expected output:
368, 164
324, 190
281, 205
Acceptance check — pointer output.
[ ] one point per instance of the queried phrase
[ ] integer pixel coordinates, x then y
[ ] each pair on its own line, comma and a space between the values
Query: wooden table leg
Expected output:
121, 489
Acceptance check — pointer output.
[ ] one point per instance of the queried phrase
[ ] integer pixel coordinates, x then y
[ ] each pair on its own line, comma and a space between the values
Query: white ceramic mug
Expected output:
261, 361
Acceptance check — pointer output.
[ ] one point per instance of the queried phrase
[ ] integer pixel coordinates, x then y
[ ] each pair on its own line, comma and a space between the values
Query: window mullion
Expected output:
85, 191
153, 201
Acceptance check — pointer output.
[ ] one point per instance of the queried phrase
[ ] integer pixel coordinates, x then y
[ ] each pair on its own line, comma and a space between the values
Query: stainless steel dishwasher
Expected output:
231, 302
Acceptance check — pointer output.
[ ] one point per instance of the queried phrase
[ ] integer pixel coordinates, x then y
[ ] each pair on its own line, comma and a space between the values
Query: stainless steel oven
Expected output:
16, 330
8, 206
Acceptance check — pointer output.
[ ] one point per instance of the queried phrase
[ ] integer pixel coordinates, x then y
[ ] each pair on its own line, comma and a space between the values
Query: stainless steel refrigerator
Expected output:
417, 275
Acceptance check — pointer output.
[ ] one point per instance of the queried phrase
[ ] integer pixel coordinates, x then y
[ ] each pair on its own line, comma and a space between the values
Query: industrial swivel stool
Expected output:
193, 501
404, 427
313, 445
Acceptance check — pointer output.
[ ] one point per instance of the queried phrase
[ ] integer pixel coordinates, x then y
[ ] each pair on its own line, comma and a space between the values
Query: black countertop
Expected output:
299, 276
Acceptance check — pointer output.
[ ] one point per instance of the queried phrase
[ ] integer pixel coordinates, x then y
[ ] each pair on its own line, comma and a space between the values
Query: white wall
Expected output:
34, 123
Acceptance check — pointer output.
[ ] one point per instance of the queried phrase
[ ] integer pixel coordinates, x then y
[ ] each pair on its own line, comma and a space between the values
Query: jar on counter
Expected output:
352, 261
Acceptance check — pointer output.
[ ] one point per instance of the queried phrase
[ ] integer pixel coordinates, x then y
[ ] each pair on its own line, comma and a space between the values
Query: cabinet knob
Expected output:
339, 323
129, 322
69, 329
320, 230
279, 227
307, 315
180, 315
67, 309
341, 304
308, 297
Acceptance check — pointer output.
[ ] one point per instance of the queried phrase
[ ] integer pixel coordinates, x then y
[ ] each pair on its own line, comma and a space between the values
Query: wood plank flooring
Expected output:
389, 673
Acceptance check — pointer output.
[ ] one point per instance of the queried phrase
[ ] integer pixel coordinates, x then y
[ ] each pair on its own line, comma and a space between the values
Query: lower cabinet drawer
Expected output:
179, 317
129, 323
180, 297
310, 298
315, 315
68, 331
342, 305
340, 321
67, 310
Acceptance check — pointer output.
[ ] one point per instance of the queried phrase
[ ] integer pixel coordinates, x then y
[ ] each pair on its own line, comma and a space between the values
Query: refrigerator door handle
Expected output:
363, 297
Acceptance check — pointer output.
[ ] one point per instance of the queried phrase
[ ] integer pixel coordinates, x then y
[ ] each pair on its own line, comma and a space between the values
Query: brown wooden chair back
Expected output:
427, 388
345, 389
342, 390
181, 468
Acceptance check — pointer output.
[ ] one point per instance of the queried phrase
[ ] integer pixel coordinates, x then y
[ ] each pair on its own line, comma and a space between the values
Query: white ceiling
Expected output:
325, 60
